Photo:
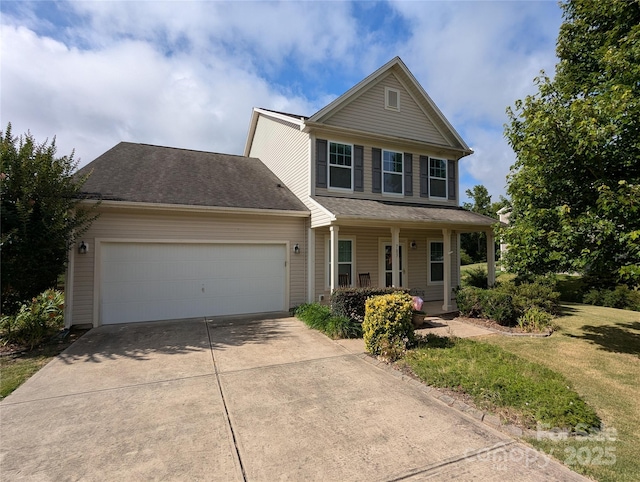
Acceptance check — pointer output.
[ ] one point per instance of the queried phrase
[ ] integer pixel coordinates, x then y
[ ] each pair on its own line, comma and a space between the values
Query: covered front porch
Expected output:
423, 259
362, 242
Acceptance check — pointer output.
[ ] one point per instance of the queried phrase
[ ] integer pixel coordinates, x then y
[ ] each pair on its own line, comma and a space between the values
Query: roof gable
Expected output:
363, 108
164, 175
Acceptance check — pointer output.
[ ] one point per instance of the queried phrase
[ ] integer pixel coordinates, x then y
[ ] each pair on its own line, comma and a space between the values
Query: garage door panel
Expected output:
154, 281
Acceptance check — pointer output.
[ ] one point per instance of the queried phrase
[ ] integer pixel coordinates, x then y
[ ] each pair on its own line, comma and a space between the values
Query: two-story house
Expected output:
365, 192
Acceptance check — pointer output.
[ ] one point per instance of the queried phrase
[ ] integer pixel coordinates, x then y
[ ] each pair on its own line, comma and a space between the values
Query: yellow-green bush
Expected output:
387, 328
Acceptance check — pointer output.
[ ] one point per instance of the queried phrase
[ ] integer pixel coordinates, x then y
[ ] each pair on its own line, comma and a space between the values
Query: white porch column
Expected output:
333, 254
446, 244
395, 257
491, 259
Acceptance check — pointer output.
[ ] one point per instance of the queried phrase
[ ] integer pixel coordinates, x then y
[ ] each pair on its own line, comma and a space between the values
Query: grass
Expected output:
502, 275
499, 381
17, 369
598, 350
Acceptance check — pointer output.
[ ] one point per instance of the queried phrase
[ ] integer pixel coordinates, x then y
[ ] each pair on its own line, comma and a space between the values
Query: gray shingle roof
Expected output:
366, 209
155, 174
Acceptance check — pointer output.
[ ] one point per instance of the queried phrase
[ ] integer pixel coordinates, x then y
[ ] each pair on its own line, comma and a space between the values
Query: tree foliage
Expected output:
41, 218
575, 187
475, 244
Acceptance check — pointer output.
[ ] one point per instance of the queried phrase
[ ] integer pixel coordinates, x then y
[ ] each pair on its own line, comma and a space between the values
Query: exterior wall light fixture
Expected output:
83, 248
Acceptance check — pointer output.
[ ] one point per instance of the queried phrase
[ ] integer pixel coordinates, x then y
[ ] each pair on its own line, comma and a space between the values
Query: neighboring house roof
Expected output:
164, 175
365, 209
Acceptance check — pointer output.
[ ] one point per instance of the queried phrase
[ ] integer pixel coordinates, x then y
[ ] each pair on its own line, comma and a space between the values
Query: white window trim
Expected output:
429, 241
382, 242
401, 174
386, 99
446, 179
341, 189
327, 259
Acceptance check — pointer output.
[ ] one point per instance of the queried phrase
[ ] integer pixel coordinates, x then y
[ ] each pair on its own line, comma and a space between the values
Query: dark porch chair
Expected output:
343, 280
365, 280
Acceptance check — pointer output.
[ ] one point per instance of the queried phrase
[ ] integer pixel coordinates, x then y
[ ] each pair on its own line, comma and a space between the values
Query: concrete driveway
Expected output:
257, 400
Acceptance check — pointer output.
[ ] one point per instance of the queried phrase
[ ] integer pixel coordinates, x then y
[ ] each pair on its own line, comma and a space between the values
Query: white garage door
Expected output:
157, 281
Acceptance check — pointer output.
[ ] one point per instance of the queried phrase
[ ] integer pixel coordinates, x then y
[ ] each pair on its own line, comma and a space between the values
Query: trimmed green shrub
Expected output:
508, 302
36, 321
621, 297
319, 317
476, 277
465, 258
468, 301
387, 327
498, 306
350, 302
537, 294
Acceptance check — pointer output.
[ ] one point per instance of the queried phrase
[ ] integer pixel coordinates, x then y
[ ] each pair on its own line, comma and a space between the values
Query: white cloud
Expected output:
187, 74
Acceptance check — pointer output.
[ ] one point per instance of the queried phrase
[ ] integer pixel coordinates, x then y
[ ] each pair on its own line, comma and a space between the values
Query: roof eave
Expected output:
195, 209
310, 125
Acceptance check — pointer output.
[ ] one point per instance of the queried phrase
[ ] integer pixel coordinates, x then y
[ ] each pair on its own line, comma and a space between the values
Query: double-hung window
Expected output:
340, 165
392, 181
345, 261
436, 261
437, 178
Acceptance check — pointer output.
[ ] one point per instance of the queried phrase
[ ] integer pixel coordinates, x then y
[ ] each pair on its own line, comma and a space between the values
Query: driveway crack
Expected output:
224, 404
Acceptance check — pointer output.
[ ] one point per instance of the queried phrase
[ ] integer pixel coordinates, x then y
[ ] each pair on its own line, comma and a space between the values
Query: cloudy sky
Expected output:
187, 73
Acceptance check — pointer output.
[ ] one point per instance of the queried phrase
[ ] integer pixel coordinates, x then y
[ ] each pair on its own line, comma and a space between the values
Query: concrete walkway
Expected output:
257, 400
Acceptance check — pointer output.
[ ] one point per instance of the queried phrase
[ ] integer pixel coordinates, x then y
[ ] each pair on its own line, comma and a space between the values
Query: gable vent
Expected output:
392, 99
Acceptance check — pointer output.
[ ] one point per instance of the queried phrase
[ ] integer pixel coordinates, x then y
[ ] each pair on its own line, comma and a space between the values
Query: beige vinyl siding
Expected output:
183, 226
284, 149
368, 177
368, 255
319, 216
368, 113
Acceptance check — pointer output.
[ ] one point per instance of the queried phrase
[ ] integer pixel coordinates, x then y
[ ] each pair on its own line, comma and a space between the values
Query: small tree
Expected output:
41, 218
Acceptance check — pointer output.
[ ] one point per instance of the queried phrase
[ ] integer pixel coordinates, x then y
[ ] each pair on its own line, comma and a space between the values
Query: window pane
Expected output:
344, 251
392, 161
437, 188
438, 168
437, 252
393, 183
388, 280
388, 261
339, 154
437, 272
340, 177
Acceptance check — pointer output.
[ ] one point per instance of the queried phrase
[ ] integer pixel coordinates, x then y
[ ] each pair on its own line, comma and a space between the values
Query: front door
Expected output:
387, 263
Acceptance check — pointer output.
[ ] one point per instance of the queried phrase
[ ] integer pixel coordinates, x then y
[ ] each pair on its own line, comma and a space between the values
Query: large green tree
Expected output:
575, 187
40, 216
475, 244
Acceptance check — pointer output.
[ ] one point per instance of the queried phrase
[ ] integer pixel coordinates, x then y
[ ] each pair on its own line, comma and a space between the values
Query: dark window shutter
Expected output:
358, 168
321, 163
451, 179
376, 155
424, 176
408, 174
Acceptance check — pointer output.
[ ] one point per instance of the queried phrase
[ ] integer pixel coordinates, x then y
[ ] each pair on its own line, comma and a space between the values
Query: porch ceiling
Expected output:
366, 211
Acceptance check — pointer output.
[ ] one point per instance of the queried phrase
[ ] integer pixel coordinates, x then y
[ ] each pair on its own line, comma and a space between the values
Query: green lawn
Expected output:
598, 350
16, 369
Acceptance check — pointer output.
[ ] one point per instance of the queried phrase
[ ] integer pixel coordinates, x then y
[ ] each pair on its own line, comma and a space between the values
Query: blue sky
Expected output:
187, 73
